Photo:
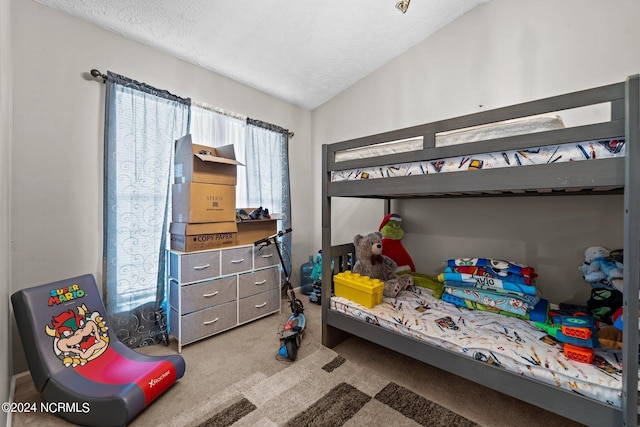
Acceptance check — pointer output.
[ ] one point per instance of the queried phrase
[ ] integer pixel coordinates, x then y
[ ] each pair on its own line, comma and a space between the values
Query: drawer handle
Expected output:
211, 321
267, 256
237, 261
260, 283
211, 295
261, 305
201, 267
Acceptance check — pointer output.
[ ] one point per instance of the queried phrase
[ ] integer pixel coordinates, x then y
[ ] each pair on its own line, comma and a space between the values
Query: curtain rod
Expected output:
97, 74
219, 110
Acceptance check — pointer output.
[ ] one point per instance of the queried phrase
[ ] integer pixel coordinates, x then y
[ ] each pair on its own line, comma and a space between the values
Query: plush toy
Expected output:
392, 234
600, 269
611, 337
316, 270
592, 273
370, 262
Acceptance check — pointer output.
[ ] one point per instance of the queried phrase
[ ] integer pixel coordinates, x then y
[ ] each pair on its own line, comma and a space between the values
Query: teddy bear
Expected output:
392, 234
600, 269
372, 263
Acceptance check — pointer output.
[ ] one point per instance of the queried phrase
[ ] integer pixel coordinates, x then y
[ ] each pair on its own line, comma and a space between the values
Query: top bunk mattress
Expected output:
460, 136
546, 154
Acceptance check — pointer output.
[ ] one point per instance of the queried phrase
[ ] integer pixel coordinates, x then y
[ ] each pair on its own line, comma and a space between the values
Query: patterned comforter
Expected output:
507, 342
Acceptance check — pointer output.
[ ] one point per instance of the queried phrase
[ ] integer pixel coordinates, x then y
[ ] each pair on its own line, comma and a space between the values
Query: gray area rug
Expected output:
325, 389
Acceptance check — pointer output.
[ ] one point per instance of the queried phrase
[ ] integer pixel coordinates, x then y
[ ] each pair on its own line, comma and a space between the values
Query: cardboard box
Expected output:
199, 237
196, 202
250, 231
200, 163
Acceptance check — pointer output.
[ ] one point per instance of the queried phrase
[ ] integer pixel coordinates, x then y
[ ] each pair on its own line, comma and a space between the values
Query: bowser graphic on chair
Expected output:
78, 338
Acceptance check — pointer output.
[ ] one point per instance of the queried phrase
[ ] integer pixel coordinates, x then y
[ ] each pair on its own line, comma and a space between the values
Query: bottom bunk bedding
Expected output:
505, 342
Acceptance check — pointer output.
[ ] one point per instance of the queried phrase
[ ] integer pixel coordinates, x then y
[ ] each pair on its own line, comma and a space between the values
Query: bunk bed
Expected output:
409, 178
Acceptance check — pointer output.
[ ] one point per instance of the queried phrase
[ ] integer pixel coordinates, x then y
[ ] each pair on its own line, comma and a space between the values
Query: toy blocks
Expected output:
577, 334
580, 354
361, 289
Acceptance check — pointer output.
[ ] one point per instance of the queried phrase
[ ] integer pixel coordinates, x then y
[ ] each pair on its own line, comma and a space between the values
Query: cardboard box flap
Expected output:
204, 164
192, 229
210, 158
225, 154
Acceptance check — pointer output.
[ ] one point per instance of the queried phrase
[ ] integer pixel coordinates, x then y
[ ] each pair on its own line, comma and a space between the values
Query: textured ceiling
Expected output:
302, 51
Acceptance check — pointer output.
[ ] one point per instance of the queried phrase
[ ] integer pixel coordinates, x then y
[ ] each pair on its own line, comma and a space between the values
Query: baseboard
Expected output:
12, 392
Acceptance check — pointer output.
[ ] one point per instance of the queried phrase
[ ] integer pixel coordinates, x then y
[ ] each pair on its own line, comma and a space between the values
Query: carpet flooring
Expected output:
325, 389
235, 377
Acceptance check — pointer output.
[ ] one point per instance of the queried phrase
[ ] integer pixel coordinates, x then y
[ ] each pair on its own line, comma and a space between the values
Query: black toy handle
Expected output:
268, 239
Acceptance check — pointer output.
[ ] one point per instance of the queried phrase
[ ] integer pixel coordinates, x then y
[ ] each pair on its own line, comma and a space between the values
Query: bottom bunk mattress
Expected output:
506, 342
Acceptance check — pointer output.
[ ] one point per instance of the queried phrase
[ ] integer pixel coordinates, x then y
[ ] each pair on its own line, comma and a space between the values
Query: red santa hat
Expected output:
389, 217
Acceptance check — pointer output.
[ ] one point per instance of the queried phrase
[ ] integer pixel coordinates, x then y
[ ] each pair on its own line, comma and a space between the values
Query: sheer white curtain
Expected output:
268, 176
141, 125
214, 128
267, 155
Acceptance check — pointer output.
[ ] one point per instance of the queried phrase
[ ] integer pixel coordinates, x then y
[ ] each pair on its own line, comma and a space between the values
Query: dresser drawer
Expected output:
207, 322
258, 305
194, 267
236, 260
258, 282
265, 256
203, 295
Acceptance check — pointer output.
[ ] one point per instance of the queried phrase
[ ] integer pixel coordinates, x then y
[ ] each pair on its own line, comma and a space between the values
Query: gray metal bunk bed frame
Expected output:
601, 176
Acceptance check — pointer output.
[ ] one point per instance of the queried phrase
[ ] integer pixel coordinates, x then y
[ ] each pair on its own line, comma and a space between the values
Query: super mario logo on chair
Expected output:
68, 293
74, 357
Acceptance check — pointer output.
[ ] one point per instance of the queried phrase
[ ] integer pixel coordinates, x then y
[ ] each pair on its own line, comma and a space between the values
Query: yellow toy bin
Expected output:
361, 289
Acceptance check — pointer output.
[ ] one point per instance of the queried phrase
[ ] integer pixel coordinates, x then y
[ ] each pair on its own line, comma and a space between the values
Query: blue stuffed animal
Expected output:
600, 270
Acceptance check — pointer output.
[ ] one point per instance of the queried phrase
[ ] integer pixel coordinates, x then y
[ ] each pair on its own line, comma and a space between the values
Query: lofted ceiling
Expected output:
302, 51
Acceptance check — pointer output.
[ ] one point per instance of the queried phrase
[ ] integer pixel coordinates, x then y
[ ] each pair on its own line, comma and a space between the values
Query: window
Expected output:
141, 126
262, 148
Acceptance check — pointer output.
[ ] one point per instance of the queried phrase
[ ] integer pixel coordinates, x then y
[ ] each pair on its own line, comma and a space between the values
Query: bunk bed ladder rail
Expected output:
631, 253
342, 257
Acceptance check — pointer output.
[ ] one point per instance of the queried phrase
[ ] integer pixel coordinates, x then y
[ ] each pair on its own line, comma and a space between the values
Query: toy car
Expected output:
316, 293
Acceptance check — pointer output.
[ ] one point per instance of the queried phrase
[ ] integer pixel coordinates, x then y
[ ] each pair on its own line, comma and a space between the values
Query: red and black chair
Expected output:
75, 359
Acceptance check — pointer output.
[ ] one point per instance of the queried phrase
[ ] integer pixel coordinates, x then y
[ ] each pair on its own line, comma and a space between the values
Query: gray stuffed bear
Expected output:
370, 262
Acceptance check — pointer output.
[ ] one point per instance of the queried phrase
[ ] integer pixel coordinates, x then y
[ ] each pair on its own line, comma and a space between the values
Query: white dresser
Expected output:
215, 290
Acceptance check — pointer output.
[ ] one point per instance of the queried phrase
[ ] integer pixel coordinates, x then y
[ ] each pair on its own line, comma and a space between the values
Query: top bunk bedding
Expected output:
569, 152
419, 161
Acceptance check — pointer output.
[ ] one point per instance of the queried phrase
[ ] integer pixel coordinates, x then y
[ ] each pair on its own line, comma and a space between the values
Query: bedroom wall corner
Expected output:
5, 200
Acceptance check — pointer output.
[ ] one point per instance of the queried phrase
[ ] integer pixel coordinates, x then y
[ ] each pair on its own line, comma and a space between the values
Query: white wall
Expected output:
500, 53
57, 159
5, 199
503, 52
